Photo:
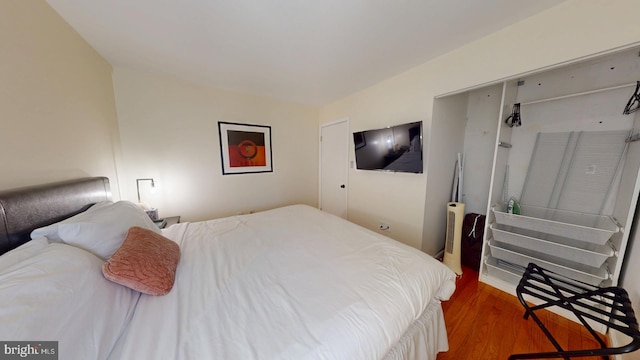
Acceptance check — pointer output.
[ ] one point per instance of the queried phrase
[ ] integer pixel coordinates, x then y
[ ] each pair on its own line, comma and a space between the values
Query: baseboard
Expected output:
616, 339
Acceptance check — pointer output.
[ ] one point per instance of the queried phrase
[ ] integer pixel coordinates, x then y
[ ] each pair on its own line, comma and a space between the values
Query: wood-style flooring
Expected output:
486, 323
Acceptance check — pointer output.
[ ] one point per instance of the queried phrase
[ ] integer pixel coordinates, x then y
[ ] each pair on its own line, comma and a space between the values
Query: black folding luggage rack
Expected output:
609, 306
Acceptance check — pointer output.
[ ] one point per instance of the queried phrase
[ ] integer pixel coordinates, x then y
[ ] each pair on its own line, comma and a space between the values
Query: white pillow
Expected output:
101, 229
59, 294
51, 231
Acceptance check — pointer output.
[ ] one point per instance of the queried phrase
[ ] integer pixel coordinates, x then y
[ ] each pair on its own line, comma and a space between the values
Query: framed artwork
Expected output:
359, 140
245, 148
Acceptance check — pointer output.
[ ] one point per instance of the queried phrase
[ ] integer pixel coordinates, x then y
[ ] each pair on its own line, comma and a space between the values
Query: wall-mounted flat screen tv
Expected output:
396, 148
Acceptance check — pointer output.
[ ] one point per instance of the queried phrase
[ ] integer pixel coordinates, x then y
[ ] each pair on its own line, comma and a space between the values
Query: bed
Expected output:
288, 283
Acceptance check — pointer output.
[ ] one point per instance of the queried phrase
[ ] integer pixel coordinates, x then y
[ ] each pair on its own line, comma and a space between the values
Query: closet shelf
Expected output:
579, 272
596, 229
502, 272
573, 250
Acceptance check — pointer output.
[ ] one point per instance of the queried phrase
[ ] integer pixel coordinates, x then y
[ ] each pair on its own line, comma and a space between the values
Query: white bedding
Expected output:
56, 292
290, 283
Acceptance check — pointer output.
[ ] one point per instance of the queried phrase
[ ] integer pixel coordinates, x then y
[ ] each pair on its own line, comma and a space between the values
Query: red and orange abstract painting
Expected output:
246, 148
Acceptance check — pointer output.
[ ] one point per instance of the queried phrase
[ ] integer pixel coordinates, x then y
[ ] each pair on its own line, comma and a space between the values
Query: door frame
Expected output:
346, 198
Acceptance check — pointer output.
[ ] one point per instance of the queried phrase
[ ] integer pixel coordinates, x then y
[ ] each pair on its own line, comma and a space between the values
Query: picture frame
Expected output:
359, 140
245, 148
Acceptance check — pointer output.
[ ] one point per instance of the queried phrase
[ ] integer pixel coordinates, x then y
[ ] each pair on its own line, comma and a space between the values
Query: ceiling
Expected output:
308, 52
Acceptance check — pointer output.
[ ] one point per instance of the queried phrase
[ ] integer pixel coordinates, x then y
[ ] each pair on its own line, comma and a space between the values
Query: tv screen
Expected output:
396, 148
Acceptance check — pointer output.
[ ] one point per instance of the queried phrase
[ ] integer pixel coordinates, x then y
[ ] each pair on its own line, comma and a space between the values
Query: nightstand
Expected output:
168, 221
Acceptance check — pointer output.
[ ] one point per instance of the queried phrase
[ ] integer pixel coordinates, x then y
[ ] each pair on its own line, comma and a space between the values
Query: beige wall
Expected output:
169, 131
57, 107
571, 30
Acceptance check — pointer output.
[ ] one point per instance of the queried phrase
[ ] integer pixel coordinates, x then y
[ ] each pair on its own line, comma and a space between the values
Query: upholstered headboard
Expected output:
28, 208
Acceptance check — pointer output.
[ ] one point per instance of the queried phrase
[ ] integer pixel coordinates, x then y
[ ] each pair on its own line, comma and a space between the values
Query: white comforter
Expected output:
291, 283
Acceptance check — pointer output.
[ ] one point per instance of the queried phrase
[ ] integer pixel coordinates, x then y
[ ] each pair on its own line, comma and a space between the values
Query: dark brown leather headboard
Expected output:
28, 208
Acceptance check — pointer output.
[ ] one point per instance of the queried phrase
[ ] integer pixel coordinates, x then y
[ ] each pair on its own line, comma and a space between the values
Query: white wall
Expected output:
448, 137
56, 101
571, 30
169, 132
479, 143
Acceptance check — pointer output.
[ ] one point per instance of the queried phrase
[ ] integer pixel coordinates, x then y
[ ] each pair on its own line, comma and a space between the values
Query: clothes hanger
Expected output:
514, 118
633, 104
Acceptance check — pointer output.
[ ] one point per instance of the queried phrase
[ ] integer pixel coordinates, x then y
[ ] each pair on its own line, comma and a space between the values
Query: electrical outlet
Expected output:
384, 227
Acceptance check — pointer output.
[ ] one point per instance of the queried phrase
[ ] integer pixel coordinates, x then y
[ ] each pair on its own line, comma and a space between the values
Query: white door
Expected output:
334, 164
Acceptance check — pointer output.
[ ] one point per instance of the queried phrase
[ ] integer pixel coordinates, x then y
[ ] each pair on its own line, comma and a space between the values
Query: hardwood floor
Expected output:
486, 323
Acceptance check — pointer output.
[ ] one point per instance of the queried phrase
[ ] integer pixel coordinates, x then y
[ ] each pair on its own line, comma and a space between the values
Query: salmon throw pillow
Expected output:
146, 262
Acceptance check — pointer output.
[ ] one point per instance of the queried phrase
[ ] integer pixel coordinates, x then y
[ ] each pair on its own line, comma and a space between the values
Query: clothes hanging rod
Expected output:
579, 94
